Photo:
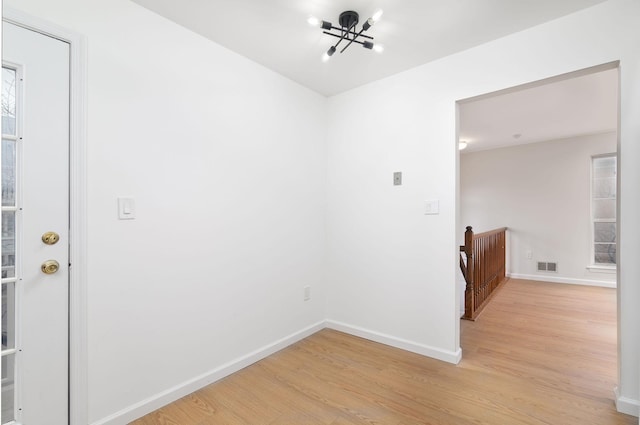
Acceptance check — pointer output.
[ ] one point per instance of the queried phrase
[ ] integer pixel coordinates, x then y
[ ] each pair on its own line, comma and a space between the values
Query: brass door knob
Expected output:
50, 267
50, 238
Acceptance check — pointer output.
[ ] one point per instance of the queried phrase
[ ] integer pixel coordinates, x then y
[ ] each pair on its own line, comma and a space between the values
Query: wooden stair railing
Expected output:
484, 268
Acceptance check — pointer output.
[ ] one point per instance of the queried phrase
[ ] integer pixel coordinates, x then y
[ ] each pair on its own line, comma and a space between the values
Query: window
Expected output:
603, 210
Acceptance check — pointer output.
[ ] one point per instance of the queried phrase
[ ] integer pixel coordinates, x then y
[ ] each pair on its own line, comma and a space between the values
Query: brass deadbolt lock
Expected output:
50, 267
50, 238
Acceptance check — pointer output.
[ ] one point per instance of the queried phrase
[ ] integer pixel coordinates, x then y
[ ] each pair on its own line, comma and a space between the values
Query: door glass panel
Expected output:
9, 208
8, 101
8, 172
8, 390
8, 244
8, 314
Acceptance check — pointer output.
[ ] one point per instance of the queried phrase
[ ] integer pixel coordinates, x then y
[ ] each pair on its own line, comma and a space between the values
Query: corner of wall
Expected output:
453, 357
626, 405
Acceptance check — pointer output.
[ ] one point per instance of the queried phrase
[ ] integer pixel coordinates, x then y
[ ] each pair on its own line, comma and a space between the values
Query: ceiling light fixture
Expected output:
348, 31
462, 145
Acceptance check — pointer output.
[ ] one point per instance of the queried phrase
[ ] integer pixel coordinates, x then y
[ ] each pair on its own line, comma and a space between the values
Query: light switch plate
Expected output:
432, 206
126, 209
397, 178
307, 293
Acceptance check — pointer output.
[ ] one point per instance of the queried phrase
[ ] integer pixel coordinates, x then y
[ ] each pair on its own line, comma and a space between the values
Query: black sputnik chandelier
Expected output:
347, 32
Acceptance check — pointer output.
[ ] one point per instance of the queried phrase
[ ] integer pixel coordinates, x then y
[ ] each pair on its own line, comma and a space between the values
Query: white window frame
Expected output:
593, 266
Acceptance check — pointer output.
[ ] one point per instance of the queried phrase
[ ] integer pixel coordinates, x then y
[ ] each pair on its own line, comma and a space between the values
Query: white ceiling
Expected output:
275, 33
582, 105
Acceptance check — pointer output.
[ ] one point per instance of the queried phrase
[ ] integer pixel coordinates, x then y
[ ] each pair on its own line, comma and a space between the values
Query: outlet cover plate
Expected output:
431, 206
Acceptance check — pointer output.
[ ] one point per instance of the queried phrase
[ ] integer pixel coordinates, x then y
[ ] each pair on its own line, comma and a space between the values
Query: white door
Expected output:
35, 201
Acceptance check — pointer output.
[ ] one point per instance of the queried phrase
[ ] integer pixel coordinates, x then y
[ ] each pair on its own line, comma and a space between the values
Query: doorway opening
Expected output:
530, 163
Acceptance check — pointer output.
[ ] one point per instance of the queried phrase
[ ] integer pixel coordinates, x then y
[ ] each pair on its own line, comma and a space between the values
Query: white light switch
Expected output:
432, 206
126, 209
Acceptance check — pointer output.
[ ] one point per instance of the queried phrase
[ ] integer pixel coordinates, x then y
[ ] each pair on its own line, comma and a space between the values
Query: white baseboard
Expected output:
560, 279
170, 395
626, 405
425, 350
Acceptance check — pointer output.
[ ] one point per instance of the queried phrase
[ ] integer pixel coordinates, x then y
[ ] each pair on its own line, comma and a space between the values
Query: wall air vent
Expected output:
547, 267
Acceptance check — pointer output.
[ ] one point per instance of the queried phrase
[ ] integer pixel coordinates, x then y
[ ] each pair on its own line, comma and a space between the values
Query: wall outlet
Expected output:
307, 293
529, 255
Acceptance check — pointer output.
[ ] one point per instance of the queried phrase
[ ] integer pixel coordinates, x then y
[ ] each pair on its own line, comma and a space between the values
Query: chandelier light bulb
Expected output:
329, 53
376, 16
379, 48
313, 21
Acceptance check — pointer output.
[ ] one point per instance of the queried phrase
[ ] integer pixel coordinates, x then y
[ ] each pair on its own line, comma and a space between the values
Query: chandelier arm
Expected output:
337, 36
352, 40
344, 34
350, 32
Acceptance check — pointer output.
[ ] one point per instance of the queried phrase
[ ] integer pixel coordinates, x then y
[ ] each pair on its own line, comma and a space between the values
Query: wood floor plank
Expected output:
539, 354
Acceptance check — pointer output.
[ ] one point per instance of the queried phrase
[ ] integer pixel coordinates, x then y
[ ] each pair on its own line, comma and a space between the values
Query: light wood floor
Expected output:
540, 353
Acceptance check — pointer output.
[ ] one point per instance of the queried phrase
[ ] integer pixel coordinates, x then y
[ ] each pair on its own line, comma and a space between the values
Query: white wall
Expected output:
226, 161
541, 192
392, 269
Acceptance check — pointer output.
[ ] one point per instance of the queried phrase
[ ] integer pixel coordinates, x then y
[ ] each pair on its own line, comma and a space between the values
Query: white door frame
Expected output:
78, 382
